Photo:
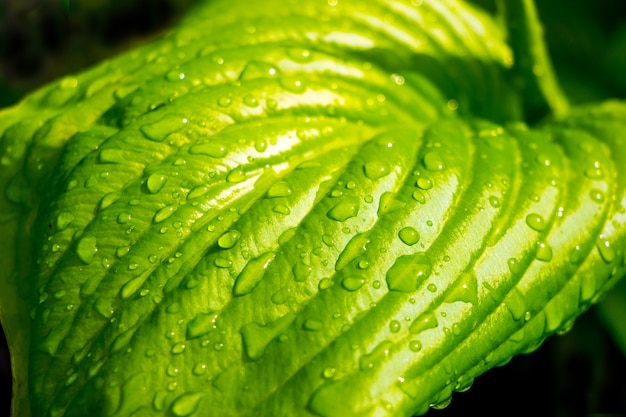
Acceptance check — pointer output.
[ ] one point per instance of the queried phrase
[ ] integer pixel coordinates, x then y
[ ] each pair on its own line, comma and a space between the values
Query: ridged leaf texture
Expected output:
298, 208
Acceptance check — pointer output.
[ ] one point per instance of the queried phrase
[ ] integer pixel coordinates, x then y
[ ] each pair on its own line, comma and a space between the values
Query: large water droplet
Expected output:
200, 325
163, 214
433, 161
228, 239
352, 283
256, 336
344, 211
535, 222
544, 252
86, 248
64, 219
375, 170
279, 189
378, 355
465, 289
425, 322
607, 252
515, 303
186, 404
252, 274
389, 204
355, 248
212, 149
409, 236
160, 130
408, 271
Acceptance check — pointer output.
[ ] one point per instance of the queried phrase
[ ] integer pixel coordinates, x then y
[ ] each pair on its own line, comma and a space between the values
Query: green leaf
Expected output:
293, 210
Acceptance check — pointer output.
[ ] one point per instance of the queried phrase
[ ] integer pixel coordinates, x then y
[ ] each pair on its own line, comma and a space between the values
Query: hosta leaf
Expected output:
278, 212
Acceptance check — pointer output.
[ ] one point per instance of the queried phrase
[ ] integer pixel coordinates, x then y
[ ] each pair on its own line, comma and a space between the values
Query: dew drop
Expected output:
301, 271
597, 195
86, 249
312, 325
424, 183
352, 283
252, 274
228, 239
124, 218
424, 322
279, 189
328, 373
163, 214
408, 271
200, 325
494, 201
212, 149
419, 196
223, 101
375, 170
64, 219
281, 209
394, 326
223, 262
544, 252
409, 236
344, 211
607, 252
535, 222
236, 175
186, 404
415, 345
433, 161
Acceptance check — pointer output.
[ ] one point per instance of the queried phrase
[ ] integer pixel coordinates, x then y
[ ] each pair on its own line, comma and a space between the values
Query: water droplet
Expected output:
575, 255
597, 195
355, 248
535, 222
124, 218
199, 369
64, 219
160, 130
424, 322
186, 404
352, 283
281, 209
433, 161
236, 175
515, 303
419, 196
344, 211
281, 296
378, 355
111, 156
212, 149
223, 101
250, 101
389, 204
594, 173
178, 348
258, 69
252, 274
328, 373
301, 271
415, 345
325, 283
394, 326
544, 252
228, 239
312, 325
86, 248
408, 271
163, 214
494, 201
222, 262
409, 236
515, 266
607, 252
375, 170
424, 183
200, 325
465, 289
256, 337
292, 84
279, 189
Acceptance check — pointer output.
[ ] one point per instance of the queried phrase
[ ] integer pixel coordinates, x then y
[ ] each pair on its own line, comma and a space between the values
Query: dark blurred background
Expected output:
582, 373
